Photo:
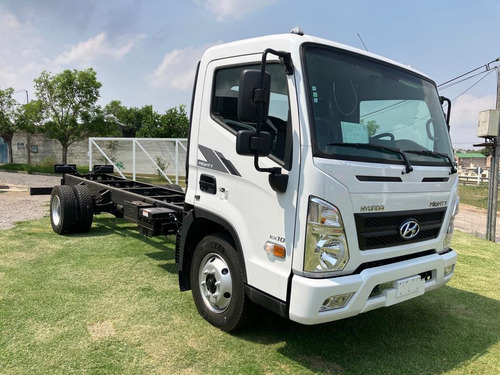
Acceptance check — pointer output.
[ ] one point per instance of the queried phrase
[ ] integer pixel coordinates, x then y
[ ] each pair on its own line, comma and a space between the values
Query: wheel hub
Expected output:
56, 210
216, 285
210, 282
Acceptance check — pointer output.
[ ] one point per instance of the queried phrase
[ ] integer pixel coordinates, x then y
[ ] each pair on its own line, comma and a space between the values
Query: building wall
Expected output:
45, 150
477, 162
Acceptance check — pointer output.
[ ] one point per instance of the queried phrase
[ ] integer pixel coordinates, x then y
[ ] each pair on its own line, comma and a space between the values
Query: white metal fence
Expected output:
141, 156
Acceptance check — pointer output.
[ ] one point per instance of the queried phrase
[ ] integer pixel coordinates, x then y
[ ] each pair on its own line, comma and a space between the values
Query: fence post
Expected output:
90, 153
133, 159
177, 161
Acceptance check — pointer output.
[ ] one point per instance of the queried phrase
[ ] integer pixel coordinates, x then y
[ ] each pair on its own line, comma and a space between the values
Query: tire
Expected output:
85, 208
63, 210
217, 282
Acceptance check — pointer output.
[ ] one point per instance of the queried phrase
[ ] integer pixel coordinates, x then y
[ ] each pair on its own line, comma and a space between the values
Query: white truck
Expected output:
321, 184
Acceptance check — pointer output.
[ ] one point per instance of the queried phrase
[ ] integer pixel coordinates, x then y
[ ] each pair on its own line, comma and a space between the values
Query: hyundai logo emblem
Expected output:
409, 229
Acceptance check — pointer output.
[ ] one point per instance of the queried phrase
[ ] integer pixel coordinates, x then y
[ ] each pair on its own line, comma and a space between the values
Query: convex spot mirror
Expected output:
253, 92
250, 143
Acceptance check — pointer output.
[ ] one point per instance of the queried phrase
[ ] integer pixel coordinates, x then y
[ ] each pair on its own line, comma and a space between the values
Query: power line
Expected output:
483, 77
444, 87
486, 66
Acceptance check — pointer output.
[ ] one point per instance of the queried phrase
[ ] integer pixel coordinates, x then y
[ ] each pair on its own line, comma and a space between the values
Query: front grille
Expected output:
381, 229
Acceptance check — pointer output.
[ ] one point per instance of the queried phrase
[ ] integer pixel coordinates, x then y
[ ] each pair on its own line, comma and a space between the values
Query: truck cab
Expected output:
338, 198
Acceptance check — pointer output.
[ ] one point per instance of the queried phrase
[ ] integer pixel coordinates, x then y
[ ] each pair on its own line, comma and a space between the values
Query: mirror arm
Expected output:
285, 58
274, 170
277, 180
443, 99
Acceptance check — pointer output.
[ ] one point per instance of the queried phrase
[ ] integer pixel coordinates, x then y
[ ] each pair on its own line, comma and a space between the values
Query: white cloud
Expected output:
95, 48
177, 69
465, 116
20, 57
233, 9
24, 52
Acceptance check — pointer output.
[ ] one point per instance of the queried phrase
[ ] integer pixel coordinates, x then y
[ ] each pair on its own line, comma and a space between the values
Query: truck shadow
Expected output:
429, 335
106, 225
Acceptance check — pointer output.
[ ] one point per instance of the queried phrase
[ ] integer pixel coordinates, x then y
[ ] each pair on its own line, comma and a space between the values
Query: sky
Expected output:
145, 51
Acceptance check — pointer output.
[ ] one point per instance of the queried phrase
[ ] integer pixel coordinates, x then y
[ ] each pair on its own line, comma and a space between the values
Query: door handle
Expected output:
208, 184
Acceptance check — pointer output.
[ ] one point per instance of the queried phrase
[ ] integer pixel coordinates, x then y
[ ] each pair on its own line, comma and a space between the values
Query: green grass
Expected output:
107, 302
476, 196
37, 168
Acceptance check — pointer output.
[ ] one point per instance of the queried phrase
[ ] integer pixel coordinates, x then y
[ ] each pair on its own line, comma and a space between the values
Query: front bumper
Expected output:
307, 295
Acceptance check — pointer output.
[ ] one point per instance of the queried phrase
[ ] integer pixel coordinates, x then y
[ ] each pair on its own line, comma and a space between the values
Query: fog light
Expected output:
448, 270
335, 302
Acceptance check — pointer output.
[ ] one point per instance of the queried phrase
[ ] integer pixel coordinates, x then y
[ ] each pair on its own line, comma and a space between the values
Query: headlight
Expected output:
326, 244
451, 227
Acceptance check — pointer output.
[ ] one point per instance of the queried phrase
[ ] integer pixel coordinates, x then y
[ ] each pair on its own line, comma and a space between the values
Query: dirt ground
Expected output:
15, 202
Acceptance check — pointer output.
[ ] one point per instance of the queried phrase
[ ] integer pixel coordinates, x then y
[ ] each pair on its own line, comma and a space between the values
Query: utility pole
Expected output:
493, 186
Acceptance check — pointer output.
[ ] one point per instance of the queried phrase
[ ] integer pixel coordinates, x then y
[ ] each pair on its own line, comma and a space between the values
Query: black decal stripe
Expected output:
212, 159
230, 167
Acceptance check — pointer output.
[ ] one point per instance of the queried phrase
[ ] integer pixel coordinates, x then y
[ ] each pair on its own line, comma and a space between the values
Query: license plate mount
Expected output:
409, 285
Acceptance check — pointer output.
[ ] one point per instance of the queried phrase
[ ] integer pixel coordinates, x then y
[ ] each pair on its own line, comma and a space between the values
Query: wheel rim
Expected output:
216, 285
55, 210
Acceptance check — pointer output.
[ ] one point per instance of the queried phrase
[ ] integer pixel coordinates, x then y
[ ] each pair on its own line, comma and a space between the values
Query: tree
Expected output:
129, 119
372, 127
28, 116
173, 124
485, 151
69, 105
8, 126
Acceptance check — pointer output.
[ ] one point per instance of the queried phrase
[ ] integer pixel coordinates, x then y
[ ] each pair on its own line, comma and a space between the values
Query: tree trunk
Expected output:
64, 154
28, 147
9, 147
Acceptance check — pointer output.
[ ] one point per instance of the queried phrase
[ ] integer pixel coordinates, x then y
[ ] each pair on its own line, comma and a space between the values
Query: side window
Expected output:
225, 103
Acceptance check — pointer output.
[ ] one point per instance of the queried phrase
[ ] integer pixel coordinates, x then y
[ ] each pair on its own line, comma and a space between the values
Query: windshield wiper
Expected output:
408, 169
435, 154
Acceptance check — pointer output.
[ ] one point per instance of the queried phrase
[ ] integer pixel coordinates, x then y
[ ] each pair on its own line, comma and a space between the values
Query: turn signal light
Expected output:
275, 249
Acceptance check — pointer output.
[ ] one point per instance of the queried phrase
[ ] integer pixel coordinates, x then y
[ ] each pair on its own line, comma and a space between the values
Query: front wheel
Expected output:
217, 282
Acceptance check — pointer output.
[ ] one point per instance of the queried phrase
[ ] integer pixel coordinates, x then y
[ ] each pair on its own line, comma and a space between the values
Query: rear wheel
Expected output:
217, 282
85, 208
63, 210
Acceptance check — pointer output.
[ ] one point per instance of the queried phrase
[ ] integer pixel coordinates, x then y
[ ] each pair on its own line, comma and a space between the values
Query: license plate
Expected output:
409, 285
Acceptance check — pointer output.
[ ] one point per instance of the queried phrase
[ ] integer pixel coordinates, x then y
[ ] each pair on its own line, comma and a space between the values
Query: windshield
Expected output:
359, 101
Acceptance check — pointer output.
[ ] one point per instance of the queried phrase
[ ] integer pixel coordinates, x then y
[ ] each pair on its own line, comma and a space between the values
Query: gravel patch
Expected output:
15, 202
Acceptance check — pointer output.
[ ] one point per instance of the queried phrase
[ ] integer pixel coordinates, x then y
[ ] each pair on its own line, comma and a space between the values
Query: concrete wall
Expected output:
45, 150
119, 152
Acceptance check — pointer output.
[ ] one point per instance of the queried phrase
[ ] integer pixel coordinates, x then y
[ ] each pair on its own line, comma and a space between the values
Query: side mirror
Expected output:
250, 143
254, 92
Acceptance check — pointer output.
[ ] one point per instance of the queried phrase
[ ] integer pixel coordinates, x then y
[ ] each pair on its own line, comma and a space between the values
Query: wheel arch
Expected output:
197, 224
